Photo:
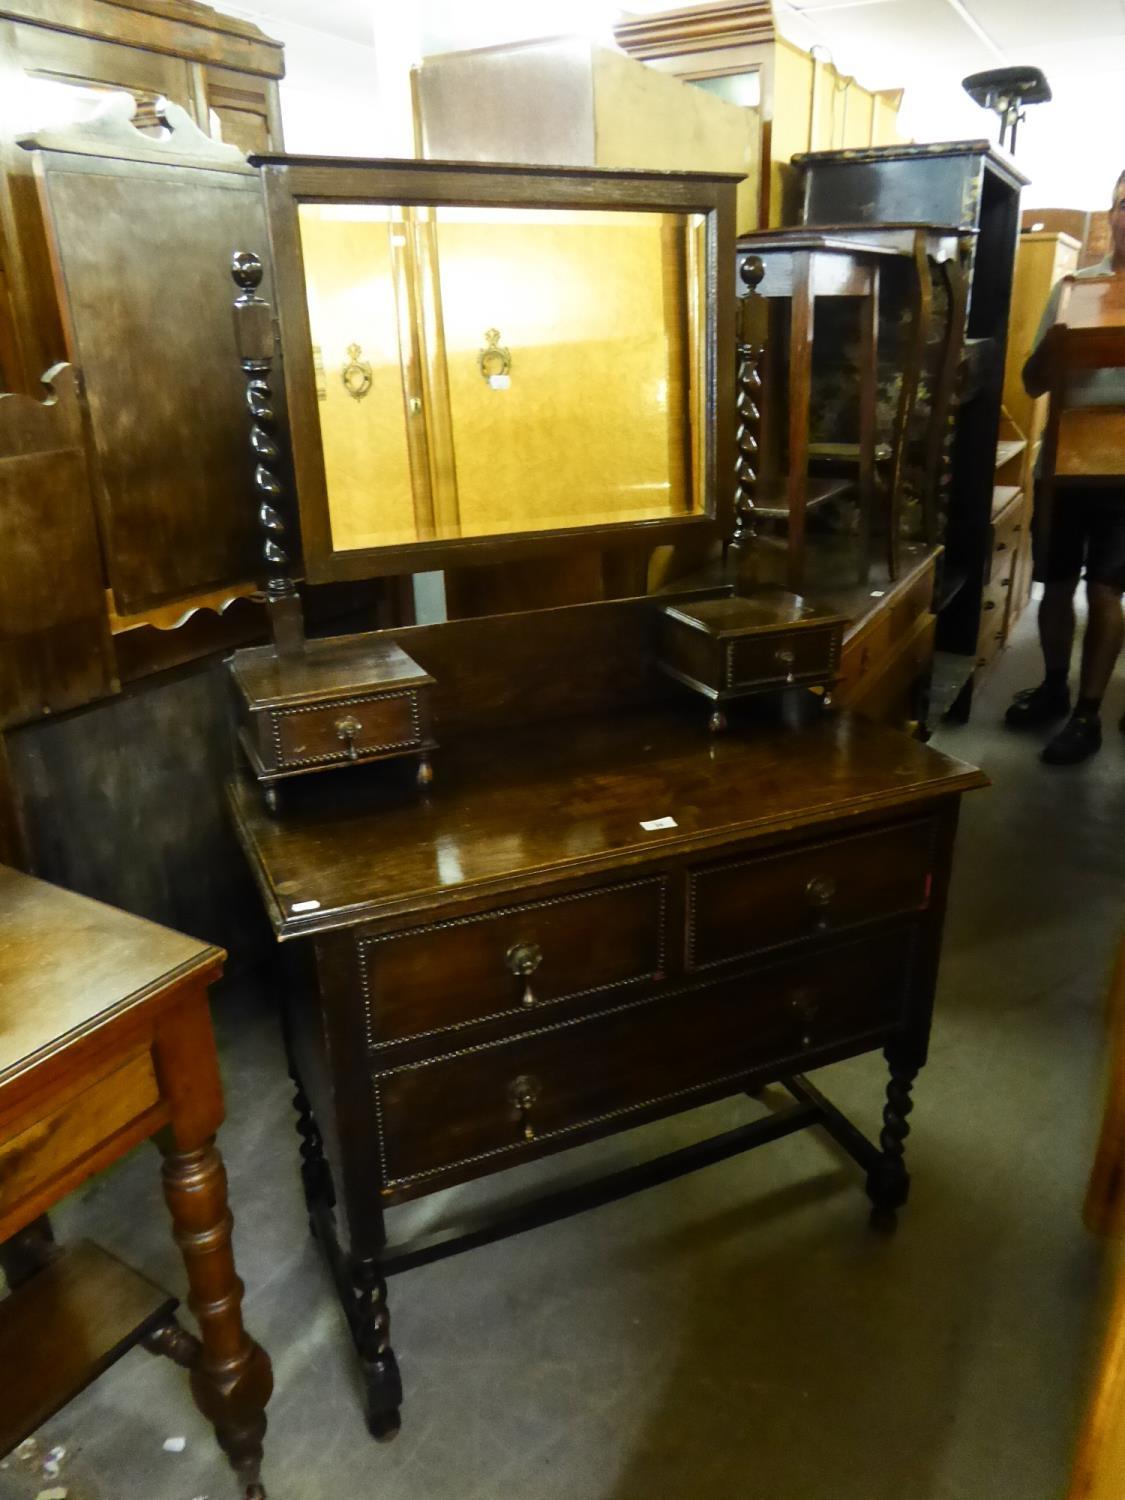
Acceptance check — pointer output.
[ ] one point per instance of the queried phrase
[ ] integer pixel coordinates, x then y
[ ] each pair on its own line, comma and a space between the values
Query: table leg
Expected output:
371, 1328
231, 1380
888, 1181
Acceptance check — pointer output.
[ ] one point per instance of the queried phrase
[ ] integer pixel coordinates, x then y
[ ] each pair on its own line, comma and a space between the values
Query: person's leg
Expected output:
1058, 553
1081, 737
1105, 631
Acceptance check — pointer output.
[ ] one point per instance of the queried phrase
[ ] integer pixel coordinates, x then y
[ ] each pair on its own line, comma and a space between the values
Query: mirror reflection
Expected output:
483, 371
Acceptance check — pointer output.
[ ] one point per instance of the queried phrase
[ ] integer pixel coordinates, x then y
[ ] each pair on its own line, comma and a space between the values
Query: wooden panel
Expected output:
452, 973
740, 907
1091, 442
42, 1151
137, 244
146, 75
460, 1114
894, 695
245, 106
178, 28
64, 1327
54, 635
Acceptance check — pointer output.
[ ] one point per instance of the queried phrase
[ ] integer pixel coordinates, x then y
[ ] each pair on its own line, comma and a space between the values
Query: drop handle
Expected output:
522, 960
786, 660
346, 729
820, 893
522, 1094
807, 1009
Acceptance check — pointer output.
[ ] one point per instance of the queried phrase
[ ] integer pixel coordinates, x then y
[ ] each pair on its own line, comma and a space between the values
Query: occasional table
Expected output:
107, 1041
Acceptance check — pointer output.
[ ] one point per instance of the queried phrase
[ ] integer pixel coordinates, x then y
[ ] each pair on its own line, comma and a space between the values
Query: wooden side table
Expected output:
107, 1041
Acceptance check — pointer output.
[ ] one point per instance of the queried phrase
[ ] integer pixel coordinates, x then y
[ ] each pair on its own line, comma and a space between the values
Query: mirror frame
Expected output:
289, 181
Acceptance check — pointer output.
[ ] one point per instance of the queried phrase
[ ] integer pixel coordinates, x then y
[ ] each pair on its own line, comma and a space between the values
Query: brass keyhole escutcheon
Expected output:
523, 1092
820, 892
346, 729
522, 960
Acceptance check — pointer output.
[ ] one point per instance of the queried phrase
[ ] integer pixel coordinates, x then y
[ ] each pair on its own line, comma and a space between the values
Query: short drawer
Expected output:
911, 605
1005, 547
345, 730
462, 1114
740, 907
863, 655
797, 656
517, 960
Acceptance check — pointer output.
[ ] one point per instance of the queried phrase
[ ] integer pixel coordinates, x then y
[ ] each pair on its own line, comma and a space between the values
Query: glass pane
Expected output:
520, 369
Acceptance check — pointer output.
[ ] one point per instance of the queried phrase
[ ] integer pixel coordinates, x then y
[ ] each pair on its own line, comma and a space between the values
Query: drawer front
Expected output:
915, 602
894, 695
43, 1151
994, 613
514, 961
1005, 547
740, 907
464, 1113
330, 732
797, 656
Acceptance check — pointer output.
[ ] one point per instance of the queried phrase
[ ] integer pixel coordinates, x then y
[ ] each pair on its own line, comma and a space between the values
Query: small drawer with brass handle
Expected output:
743, 906
437, 978
306, 736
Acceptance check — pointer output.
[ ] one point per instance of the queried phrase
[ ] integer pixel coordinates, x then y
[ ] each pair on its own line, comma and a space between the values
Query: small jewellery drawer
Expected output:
739, 907
513, 961
348, 729
797, 656
456, 1114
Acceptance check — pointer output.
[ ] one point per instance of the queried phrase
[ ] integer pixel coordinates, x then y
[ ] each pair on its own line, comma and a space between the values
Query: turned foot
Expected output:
425, 773
371, 1327
717, 722
888, 1182
272, 798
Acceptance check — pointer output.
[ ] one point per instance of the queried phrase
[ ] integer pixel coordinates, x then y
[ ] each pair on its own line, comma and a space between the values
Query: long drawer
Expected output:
739, 907
514, 961
474, 1110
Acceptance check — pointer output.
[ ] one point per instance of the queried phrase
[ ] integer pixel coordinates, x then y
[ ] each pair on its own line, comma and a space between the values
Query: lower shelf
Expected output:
64, 1327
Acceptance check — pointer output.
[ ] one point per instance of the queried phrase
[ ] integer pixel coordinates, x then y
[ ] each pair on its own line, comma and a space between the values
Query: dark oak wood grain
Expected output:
54, 641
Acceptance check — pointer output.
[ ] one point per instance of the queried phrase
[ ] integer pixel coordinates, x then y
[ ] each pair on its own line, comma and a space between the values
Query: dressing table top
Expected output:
567, 799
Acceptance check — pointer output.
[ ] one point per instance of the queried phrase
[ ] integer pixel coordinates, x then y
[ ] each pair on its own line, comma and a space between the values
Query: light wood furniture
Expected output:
733, 49
1099, 1461
1042, 259
107, 1043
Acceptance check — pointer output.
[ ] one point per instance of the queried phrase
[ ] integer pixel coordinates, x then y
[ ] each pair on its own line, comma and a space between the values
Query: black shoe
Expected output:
1076, 741
1036, 706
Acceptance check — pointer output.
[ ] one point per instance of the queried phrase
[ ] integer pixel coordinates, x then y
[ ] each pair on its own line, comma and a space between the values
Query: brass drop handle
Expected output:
522, 960
808, 1009
523, 1092
346, 729
820, 892
785, 658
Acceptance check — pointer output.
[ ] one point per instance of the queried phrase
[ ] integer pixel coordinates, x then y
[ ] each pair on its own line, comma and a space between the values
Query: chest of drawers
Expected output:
590, 924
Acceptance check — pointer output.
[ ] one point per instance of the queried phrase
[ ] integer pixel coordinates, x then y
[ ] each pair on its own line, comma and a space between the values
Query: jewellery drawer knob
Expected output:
785, 658
807, 1008
523, 1092
522, 960
820, 892
346, 729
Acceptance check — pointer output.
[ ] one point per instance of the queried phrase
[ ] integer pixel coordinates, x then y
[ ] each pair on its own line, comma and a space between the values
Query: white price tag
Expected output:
655, 824
305, 906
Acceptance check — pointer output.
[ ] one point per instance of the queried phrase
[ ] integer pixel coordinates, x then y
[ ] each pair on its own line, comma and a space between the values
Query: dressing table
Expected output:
597, 913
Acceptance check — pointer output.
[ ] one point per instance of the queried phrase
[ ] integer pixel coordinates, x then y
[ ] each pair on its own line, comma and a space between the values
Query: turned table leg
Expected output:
888, 1181
231, 1378
371, 1327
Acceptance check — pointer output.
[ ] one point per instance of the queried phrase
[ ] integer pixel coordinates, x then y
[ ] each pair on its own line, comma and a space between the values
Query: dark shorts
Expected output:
1087, 531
